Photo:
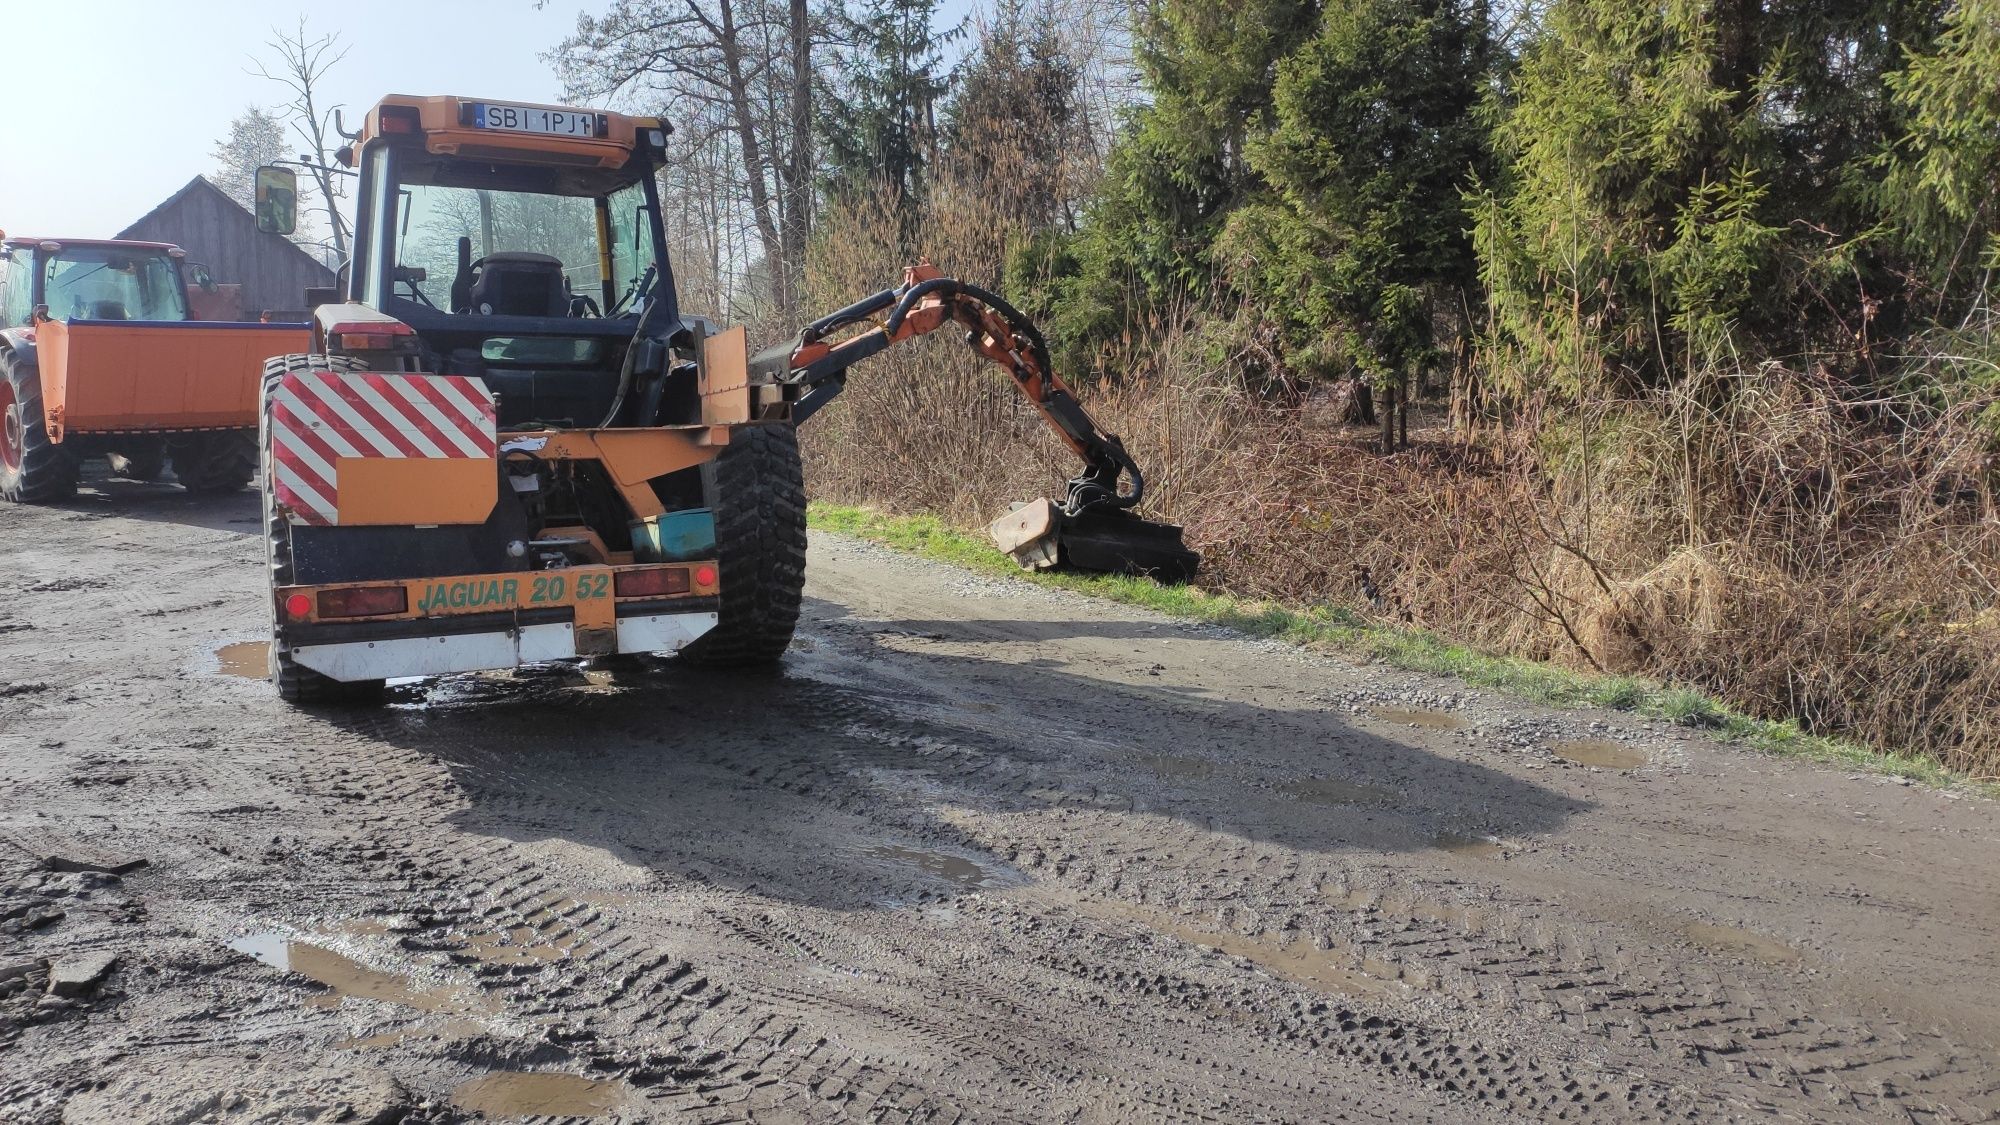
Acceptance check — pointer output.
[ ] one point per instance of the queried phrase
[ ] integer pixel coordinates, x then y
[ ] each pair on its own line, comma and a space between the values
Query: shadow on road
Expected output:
845, 781
103, 496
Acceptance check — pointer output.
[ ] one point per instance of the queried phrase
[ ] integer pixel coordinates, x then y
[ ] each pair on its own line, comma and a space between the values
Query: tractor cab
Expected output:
90, 280
520, 245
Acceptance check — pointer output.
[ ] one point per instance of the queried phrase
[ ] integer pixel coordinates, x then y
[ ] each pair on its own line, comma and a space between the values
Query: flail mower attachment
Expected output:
1093, 527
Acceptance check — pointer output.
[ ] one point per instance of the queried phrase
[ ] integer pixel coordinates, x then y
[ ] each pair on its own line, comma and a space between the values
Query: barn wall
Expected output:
218, 233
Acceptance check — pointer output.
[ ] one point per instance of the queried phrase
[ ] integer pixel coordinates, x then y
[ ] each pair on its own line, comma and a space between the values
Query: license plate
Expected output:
525, 119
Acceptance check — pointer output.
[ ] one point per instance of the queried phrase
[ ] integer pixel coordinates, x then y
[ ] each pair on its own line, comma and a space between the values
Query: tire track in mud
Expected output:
517, 894
1753, 1038
656, 994
1751, 1043
932, 874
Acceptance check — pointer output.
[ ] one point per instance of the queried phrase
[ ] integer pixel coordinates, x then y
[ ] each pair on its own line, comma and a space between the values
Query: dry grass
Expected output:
1764, 538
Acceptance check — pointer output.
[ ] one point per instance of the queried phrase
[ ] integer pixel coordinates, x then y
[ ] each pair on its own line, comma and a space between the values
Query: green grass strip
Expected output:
1336, 630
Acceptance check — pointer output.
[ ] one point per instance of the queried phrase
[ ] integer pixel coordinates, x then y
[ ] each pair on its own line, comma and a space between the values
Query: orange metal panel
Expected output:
725, 377
155, 377
415, 491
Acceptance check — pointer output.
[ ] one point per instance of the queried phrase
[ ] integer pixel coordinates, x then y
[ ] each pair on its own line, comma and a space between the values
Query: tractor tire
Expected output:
140, 463
214, 462
756, 489
33, 469
298, 685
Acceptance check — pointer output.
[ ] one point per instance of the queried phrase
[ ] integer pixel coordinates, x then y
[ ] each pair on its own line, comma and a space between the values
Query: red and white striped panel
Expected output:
319, 417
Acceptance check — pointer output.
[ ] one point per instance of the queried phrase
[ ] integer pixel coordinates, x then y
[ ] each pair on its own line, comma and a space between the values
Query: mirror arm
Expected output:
340, 126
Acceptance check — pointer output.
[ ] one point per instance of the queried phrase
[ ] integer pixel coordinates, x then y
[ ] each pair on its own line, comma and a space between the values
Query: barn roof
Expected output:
202, 184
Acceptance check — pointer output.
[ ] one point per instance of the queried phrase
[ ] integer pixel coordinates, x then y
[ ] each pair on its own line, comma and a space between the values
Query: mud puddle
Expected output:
1742, 943
526, 1094
1477, 847
1602, 753
960, 872
251, 660
1429, 720
1334, 791
343, 975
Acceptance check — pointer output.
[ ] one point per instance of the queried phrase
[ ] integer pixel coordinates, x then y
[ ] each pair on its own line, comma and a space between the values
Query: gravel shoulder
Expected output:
983, 852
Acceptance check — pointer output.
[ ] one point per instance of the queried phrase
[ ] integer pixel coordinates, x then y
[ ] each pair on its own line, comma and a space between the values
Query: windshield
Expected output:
563, 227
111, 283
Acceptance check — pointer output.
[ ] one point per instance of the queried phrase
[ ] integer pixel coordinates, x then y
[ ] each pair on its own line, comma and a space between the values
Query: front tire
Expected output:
33, 468
756, 490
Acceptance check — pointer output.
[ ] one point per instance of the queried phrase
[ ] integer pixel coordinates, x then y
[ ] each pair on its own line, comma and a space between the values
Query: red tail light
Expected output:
704, 576
298, 607
363, 601
650, 583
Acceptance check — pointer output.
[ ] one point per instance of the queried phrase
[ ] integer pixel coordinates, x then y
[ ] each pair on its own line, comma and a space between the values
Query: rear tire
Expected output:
298, 685
33, 469
218, 461
756, 490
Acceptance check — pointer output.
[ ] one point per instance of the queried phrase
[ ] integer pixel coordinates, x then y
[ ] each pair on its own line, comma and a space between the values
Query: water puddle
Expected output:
344, 975
1477, 847
1297, 960
956, 870
1429, 720
524, 1094
1602, 753
1742, 943
1175, 768
250, 660
1334, 791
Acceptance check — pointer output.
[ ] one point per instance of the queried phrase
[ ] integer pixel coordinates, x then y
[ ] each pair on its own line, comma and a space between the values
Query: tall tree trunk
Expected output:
798, 179
743, 119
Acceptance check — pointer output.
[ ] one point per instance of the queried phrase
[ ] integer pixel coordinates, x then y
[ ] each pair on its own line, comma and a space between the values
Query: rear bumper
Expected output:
468, 647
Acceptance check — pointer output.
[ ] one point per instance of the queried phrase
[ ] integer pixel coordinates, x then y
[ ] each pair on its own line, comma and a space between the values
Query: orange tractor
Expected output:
509, 443
98, 357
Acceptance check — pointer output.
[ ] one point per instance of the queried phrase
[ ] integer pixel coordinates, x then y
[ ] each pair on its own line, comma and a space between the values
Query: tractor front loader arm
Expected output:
927, 301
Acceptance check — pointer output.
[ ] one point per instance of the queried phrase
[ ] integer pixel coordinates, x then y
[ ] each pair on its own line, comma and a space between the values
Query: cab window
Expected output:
112, 283
17, 289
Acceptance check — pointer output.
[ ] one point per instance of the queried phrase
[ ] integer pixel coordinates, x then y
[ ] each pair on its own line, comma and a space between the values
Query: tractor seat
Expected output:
108, 310
520, 284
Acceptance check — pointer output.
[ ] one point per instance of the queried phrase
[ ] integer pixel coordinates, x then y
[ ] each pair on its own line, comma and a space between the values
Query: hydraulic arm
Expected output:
1092, 526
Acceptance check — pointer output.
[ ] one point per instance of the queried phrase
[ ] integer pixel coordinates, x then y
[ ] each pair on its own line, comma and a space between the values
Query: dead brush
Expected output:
1765, 536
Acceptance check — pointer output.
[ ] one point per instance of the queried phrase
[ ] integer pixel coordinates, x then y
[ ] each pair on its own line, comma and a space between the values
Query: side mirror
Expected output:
277, 200
203, 280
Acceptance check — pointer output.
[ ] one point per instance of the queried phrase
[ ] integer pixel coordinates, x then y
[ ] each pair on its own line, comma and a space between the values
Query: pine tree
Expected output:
1683, 181
880, 128
1357, 234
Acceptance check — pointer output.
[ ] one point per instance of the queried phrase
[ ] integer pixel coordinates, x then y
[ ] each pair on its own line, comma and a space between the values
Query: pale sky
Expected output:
114, 104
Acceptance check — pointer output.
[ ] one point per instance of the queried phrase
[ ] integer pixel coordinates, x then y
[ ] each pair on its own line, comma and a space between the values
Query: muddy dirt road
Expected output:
983, 853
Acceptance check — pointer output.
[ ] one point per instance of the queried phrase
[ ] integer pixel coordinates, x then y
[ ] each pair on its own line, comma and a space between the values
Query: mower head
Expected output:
1041, 535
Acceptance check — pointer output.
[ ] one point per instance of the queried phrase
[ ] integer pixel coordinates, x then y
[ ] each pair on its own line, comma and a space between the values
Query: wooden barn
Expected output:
257, 275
